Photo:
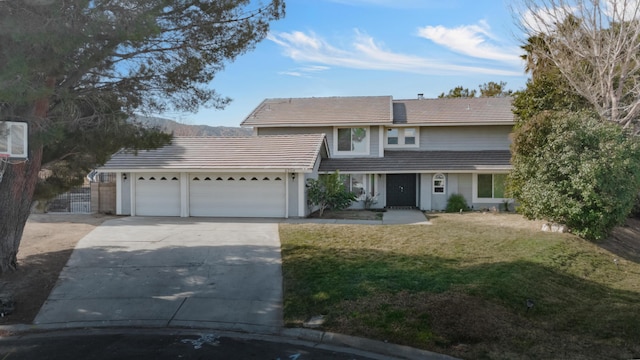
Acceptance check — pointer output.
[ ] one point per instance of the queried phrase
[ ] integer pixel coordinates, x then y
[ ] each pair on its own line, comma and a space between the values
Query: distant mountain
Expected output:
178, 129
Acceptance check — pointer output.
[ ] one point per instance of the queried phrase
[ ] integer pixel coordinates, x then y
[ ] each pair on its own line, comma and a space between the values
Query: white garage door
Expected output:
158, 194
237, 195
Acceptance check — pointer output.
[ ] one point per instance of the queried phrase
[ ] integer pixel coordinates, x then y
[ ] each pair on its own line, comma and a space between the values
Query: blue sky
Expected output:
371, 47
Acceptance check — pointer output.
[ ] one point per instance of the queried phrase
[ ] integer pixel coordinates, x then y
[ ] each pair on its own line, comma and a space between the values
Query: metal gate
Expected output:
75, 201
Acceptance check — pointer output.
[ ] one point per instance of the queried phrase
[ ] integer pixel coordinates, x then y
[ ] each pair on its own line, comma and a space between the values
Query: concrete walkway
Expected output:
404, 217
217, 273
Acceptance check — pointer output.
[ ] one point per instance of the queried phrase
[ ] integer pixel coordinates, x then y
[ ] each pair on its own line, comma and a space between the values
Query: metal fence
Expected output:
75, 201
79, 200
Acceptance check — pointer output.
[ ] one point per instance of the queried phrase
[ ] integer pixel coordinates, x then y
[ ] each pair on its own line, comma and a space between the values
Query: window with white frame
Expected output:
490, 186
352, 140
402, 137
439, 184
359, 184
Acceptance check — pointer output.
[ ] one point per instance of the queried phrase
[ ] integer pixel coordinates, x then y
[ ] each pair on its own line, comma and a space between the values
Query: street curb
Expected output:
375, 346
285, 335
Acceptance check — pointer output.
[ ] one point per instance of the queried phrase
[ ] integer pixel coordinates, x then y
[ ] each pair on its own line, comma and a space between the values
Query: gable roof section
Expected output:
277, 152
357, 110
453, 111
414, 161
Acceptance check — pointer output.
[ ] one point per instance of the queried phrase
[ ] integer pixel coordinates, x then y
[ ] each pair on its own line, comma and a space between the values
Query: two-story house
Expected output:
405, 153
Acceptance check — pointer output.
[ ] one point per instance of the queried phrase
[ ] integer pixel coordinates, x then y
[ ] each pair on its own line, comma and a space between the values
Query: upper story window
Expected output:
352, 140
402, 137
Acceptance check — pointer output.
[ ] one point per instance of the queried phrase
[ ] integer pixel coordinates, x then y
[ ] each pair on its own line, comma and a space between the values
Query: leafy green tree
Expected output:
76, 70
494, 89
490, 89
574, 169
329, 192
458, 92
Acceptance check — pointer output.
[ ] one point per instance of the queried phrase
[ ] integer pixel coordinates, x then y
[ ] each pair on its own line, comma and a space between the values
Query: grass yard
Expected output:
460, 287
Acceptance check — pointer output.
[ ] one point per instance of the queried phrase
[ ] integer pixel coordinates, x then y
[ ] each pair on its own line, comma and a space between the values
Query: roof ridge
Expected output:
457, 99
329, 97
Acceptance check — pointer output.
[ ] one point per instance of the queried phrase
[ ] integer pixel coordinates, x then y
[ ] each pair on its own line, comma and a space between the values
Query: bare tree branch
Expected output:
595, 44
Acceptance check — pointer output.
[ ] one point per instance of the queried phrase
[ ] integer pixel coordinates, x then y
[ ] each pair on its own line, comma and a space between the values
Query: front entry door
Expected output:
401, 190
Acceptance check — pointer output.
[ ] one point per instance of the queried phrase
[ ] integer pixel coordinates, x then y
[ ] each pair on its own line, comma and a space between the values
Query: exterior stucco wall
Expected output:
425, 192
464, 187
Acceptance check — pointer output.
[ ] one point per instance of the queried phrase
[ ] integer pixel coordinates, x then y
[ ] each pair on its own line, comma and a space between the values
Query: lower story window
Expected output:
439, 183
491, 186
359, 184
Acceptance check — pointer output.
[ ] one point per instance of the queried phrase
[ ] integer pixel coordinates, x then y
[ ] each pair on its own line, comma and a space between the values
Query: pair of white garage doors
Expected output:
211, 194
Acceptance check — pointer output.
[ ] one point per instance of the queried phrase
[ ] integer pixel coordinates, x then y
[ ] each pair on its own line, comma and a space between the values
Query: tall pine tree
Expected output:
75, 70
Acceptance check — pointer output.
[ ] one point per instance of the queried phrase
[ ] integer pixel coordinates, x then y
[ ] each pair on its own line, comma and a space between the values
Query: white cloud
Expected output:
621, 10
367, 54
472, 40
543, 19
291, 73
305, 71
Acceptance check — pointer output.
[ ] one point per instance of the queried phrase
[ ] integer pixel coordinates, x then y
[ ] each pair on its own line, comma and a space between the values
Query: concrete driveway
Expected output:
159, 272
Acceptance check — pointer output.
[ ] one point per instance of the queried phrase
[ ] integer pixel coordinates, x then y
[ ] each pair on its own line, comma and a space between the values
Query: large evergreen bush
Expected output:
575, 169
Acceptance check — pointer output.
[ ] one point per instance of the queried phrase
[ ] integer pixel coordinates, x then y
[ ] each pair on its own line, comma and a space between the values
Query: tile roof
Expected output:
298, 152
413, 161
380, 110
366, 110
454, 111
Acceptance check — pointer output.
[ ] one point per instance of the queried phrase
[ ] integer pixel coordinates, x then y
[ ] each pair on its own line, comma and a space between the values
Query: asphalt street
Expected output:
143, 345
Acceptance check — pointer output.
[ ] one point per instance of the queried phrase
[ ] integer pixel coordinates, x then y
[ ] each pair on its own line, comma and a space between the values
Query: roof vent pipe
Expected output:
420, 96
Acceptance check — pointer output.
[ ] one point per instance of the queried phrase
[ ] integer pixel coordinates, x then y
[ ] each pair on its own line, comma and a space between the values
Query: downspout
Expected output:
132, 194
286, 194
301, 195
119, 193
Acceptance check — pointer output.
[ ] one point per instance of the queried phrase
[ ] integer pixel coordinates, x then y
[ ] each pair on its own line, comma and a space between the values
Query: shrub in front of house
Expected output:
575, 169
456, 202
328, 192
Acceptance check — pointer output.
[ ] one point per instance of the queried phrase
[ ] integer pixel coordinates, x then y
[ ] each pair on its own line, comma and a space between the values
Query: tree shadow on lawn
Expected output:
469, 311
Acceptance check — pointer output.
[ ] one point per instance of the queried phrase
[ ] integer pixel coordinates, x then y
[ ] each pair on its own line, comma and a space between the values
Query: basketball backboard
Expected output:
13, 139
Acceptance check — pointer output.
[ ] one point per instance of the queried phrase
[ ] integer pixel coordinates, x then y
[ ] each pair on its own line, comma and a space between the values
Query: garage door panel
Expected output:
237, 195
158, 195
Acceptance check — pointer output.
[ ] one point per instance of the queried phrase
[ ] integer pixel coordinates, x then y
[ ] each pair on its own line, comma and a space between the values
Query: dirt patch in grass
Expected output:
348, 215
47, 243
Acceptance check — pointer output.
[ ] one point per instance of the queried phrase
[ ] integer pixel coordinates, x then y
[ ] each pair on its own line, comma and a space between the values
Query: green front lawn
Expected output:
460, 287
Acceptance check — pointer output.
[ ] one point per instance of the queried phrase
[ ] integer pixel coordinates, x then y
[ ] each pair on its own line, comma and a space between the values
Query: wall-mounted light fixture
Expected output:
293, 176
124, 176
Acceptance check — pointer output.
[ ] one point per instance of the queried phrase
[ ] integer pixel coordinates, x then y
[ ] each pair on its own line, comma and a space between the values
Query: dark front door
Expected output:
401, 190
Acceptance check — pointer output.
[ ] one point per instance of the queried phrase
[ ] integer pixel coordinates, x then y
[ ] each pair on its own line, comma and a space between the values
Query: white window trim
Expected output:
366, 186
10, 127
401, 137
433, 185
474, 189
366, 141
